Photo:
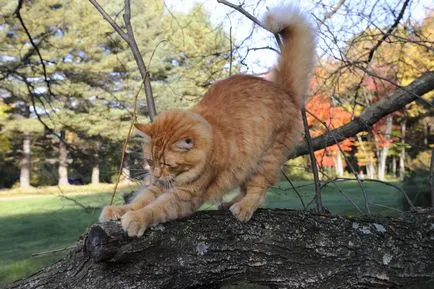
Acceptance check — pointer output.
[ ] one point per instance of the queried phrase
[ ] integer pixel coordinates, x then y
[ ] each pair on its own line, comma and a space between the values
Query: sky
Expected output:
343, 25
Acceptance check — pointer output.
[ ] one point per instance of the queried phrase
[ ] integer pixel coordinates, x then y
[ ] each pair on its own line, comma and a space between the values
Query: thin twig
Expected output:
431, 177
87, 209
335, 9
53, 251
124, 146
307, 137
131, 41
340, 191
384, 183
365, 195
387, 207
240, 9
388, 32
35, 47
231, 53
110, 20
294, 188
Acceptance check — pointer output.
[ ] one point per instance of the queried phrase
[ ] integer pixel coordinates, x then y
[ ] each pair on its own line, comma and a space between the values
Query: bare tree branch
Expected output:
131, 41
335, 9
35, 47
391, 103
110, 20
388, 32
318, 201
240, 9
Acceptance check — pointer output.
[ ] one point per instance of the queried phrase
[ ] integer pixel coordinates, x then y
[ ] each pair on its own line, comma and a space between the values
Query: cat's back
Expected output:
245, 96
242, 90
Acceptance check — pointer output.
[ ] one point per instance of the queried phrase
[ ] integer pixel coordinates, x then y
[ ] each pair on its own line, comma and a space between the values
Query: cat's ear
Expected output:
144, 130
185, 144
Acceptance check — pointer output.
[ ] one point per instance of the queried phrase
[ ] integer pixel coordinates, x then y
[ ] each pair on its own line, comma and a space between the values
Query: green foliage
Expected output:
94, 77
5, 144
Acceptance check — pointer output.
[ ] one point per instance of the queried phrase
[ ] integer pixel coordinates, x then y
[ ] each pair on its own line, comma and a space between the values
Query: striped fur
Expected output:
238, 135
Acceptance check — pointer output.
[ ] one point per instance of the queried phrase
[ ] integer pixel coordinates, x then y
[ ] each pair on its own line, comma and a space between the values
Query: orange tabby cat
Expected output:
239, 134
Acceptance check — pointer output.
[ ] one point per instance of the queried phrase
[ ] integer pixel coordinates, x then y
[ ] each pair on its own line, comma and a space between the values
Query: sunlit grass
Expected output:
55, 190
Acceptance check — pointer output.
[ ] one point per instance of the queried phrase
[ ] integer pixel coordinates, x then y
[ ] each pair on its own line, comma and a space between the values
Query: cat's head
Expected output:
176, 146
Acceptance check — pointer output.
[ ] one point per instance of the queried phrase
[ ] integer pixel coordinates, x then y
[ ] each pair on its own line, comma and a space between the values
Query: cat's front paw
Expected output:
241, 211
110, 213
135, 223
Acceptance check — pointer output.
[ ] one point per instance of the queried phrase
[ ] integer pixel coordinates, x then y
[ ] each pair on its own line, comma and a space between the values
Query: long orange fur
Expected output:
239, 134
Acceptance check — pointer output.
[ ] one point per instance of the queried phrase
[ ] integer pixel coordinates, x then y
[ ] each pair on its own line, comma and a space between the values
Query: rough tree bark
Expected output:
278, 248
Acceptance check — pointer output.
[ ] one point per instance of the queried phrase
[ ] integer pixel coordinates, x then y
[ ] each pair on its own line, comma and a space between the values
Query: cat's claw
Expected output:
241, 212
134, 223
109, 213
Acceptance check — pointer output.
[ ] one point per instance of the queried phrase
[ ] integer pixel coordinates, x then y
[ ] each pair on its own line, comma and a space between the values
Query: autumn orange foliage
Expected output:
327, 116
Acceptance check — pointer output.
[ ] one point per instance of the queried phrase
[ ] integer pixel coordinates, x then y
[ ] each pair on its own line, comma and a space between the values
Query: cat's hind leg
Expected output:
143, 198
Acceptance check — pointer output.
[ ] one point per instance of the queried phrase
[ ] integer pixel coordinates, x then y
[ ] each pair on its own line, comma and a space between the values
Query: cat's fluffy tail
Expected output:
296, 60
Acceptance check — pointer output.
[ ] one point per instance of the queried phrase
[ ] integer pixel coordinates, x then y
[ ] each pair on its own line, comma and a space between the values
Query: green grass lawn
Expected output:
41, 220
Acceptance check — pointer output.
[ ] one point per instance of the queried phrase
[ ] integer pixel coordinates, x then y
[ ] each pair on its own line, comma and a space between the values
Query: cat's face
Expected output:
176, 146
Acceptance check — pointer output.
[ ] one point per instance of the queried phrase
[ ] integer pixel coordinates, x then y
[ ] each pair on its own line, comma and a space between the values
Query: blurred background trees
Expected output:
84, 93
64, 121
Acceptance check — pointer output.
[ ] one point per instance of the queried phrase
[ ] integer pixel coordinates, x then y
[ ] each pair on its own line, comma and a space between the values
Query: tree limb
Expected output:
277, 248
394, 101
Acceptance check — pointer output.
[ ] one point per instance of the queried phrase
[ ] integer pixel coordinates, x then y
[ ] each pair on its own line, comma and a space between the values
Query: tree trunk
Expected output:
95, 168
63, 162
394, 165
370, 170
370, 165
95, 174
25, 165
431, 177
339, 165
277, 248
402, 156
385, 149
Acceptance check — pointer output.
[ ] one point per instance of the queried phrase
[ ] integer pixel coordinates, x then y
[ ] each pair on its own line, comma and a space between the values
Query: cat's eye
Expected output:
185, 144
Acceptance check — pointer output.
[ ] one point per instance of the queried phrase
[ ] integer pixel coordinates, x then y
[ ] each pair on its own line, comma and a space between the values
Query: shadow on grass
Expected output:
27, 234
